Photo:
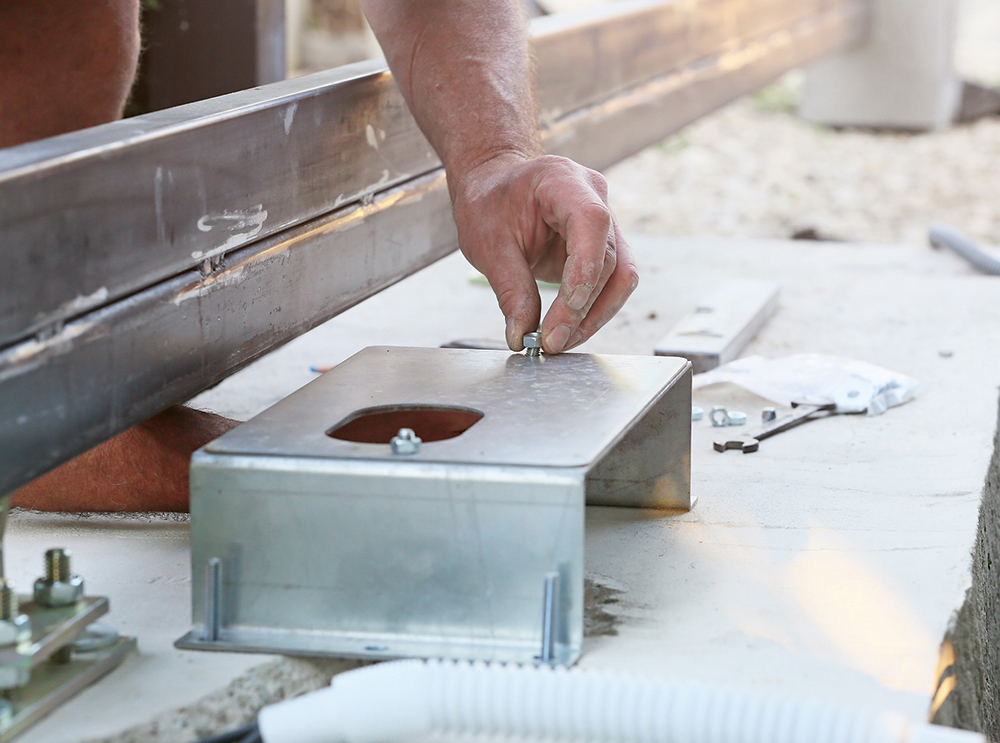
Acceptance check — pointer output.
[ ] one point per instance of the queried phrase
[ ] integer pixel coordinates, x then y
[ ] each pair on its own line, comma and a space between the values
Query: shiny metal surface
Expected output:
52, 628
147, 259
550, 618
382, 559
213, 599
537, 412
341, 548
52, 684
53, 664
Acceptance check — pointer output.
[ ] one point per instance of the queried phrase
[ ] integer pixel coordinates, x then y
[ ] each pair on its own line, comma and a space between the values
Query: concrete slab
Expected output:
826, 564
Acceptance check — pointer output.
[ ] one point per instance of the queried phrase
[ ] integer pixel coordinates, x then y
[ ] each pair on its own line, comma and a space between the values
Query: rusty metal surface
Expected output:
148, 259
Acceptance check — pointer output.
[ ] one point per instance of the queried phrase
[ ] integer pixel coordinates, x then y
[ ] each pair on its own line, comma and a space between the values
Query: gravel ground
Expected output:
754, 170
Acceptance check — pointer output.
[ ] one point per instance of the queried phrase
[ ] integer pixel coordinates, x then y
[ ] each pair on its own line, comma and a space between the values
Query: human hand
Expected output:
524, 218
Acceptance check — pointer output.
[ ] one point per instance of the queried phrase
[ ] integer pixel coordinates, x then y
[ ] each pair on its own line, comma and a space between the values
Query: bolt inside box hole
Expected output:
379, 425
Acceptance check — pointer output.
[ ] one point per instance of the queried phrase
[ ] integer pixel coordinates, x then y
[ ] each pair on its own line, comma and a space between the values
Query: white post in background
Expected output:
902, 76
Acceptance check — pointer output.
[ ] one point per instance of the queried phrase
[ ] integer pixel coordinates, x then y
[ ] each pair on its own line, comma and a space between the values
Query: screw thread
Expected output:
57, 565
8, 601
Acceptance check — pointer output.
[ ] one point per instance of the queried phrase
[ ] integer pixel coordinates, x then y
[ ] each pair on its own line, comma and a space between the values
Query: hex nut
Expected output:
736, 418
768, 414
59, 593
405, 442
697, 413
15, 631
12, 677
719, 416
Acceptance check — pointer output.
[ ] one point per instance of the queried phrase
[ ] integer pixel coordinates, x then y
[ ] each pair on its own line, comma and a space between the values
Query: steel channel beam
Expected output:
89, 217
195, 284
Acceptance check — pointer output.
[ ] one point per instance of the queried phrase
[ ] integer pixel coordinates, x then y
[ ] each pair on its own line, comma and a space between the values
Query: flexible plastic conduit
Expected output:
444, 699
942, 235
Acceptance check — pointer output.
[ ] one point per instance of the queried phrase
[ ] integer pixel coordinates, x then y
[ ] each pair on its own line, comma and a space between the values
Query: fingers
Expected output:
546, 217
619, 287
577, 208
517, 294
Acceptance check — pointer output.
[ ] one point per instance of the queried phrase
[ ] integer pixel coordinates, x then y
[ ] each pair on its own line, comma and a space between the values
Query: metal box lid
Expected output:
547, 411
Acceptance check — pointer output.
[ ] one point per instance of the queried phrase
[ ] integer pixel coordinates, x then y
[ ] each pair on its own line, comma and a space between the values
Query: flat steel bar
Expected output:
722, 324
105, 369
92, 216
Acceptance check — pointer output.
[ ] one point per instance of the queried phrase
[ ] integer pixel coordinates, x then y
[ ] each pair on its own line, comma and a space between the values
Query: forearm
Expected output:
465, 71
142, 469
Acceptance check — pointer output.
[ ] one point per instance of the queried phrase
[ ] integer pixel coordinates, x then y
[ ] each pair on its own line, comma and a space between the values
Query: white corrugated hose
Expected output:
413, 698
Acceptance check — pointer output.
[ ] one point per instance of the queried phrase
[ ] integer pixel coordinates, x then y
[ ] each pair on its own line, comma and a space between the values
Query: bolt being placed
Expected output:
532, 344
59, 587
405, 442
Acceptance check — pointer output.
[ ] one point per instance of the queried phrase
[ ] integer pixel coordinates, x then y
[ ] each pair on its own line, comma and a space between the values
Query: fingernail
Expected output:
513, 341
579, 297
576, 340
556, 341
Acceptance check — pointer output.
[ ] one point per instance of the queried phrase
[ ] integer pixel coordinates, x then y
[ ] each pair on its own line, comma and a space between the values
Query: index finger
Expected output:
578, 213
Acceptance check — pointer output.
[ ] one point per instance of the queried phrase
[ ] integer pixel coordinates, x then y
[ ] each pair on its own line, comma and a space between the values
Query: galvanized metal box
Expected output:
332, 544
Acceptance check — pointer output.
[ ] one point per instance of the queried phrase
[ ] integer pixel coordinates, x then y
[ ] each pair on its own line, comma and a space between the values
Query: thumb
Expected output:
517, 295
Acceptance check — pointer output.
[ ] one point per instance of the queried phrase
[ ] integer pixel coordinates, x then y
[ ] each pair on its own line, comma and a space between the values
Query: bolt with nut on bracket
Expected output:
59, 587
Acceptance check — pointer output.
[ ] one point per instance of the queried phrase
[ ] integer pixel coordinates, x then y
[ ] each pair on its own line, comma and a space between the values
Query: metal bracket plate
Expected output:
55, 674
340, 547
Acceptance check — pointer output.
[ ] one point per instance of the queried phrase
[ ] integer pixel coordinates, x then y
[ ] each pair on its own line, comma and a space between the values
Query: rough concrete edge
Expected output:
237, 704
970, 652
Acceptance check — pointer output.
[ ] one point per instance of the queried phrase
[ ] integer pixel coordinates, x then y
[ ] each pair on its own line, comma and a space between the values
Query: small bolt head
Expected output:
697, 413
532, 343
768, 414
58, 593
405, 442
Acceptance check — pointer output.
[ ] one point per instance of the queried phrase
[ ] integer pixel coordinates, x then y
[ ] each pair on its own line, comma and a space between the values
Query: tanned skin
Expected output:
66, 65
465, 70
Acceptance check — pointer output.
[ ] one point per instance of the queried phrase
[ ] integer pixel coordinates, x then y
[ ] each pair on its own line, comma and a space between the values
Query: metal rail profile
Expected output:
147, 259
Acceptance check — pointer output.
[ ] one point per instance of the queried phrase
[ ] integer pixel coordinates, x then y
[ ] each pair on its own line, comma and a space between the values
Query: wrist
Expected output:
471, 178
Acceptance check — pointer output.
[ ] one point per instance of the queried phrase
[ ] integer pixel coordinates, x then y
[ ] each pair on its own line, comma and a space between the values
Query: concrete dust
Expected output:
598, 602
238, 703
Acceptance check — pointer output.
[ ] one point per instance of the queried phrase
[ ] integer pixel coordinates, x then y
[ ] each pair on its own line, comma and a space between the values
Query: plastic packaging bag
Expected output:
855, 386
